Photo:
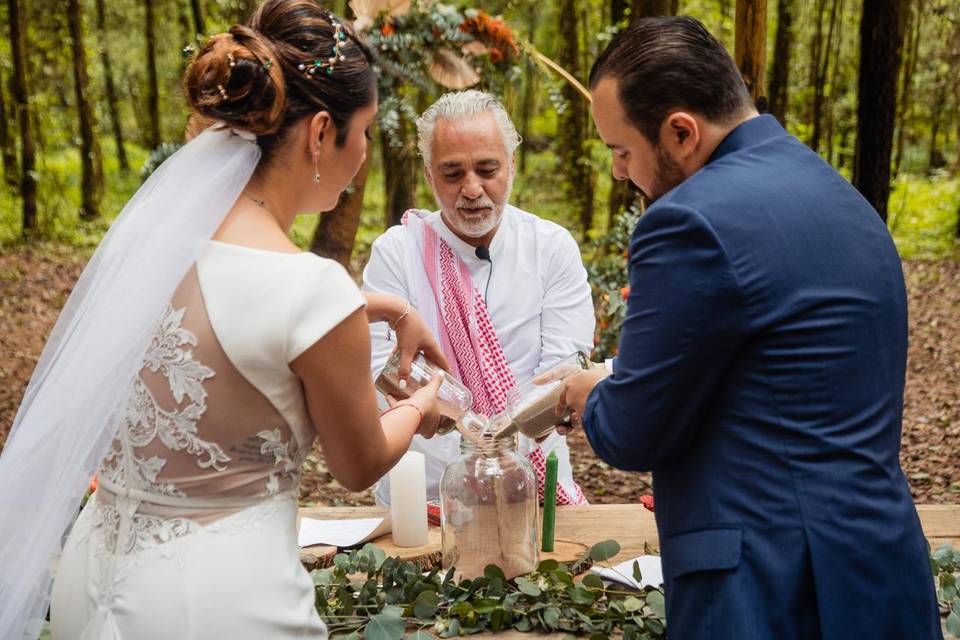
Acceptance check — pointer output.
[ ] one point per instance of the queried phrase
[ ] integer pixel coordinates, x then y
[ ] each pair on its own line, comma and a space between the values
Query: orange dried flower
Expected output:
624, 292
94, 483
387, 29
495, 55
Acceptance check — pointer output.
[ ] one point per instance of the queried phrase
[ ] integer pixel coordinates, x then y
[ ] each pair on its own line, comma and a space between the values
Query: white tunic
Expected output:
538, 300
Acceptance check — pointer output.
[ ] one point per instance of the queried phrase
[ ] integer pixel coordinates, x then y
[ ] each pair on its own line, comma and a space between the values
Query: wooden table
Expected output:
629, 524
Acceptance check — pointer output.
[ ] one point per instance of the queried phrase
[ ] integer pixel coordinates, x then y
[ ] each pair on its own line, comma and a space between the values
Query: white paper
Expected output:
341, 533
651, 572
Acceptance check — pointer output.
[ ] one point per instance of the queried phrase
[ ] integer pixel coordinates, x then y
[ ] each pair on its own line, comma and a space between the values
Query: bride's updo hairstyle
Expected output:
292, 60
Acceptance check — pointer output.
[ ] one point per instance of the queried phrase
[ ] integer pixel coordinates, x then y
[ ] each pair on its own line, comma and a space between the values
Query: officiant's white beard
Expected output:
476, 226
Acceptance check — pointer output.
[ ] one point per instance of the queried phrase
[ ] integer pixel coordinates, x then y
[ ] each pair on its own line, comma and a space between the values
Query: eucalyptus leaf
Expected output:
384, 626
426, 605
604, 550
953, 624
592, 581
657, 604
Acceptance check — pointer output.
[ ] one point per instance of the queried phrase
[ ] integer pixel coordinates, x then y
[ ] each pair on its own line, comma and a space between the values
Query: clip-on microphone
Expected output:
483, 252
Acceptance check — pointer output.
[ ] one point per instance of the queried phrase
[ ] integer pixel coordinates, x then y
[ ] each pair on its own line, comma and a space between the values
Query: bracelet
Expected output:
405, 404
396, 323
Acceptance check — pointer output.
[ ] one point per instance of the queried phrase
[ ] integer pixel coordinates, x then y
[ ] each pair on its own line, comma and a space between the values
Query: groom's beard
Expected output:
668, 176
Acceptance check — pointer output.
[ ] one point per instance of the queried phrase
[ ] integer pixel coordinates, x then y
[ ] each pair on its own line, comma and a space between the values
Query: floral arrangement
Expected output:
432, 41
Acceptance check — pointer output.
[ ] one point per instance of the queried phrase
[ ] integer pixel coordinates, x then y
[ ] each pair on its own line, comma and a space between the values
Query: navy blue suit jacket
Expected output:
760, 376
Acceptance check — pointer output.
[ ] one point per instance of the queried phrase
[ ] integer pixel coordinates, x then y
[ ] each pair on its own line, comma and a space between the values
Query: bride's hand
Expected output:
414, 336
426, 400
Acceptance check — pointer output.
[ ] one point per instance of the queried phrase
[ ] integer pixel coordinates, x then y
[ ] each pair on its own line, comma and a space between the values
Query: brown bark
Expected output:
813, 75
780, 74
28, 182
819, 97
198, 24
578, 186
153, 88
399, 173
912, 24
530, 85
647, 8
337, 230
8, 146
91, 162
880, 43
750, 47
113, 104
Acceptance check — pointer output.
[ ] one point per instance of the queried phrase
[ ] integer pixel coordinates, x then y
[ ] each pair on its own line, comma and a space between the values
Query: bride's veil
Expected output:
71, 408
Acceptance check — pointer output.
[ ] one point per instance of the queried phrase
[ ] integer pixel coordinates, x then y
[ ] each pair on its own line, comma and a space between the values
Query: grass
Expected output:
923, 210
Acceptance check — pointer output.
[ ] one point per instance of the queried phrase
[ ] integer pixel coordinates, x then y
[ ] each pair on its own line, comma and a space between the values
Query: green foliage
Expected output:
945, 562
367, 593
923, 216
370, 595
607, 272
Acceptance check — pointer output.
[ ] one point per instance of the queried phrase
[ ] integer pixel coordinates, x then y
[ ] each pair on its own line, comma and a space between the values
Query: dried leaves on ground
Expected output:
35, 282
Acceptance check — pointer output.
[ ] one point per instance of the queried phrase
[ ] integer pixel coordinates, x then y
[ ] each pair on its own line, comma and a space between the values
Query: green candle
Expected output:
550, 502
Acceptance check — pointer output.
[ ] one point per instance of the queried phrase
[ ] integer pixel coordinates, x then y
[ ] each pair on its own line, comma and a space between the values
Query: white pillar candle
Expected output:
408, 501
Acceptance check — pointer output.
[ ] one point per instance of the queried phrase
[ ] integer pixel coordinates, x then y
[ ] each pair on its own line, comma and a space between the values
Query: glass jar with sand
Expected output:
488, 509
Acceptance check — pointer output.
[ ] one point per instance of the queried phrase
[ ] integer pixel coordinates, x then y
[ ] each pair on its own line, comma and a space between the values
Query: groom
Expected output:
761, 364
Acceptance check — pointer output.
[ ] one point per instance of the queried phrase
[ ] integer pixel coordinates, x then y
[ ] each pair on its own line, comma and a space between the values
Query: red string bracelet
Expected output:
397, 406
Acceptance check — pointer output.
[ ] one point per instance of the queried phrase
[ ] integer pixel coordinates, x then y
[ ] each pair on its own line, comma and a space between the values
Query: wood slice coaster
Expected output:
429, 556
318, 556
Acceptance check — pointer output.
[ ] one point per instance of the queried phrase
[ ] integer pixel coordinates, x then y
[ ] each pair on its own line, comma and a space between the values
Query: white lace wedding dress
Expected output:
191, 533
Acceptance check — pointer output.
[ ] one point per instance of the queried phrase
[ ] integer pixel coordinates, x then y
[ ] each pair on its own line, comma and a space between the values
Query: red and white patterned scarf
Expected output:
470, 342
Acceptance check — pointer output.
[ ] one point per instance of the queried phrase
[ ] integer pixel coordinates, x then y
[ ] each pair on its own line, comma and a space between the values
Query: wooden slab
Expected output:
427, 556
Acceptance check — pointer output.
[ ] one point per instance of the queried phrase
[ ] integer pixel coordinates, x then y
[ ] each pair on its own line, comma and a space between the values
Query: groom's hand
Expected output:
576, 390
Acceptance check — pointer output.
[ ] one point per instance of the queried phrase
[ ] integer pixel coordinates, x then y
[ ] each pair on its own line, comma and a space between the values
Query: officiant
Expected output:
504, 291
761, 362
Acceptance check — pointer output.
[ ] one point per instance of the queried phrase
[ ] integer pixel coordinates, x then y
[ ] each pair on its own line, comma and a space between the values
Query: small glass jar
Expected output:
488, 509
531, 405
455, 399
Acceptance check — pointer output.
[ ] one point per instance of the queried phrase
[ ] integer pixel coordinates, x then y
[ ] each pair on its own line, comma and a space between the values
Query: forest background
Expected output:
90, 102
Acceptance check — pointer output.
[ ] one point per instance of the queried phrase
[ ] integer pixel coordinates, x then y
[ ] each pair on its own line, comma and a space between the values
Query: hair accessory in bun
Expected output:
339, 37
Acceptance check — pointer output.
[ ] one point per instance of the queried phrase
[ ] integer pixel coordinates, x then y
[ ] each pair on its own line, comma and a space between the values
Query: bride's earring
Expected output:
316, 171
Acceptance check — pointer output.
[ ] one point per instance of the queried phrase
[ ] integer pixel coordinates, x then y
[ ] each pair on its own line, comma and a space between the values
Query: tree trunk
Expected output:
912, 24
780, 74
834, 84
399, 173
750, 49
91, 162
578, 186
819, 97
880, 41
8, 144
153, 88
530, 84
813, 75
28, 182
648, 8
618, 10
337, 230
113, 104
198, 26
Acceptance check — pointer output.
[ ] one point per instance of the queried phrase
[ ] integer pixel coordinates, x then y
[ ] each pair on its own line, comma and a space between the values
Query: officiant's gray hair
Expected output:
459, 105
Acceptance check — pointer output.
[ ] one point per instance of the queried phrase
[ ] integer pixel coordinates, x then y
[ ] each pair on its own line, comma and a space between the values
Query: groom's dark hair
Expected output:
667, 63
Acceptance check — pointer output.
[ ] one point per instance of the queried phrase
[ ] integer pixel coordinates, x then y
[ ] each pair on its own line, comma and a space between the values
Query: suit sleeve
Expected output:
684, 322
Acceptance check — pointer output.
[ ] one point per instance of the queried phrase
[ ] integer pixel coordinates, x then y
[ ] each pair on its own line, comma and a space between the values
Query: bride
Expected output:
200, 356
